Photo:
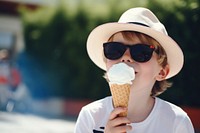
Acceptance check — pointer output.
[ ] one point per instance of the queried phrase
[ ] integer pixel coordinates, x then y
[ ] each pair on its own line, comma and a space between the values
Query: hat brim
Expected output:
102, 33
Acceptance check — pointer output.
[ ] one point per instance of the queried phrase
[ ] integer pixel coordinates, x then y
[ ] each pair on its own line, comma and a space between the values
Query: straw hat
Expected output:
141, 20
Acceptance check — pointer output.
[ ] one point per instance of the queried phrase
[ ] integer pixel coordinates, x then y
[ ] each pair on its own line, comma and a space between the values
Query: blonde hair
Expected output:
159, 86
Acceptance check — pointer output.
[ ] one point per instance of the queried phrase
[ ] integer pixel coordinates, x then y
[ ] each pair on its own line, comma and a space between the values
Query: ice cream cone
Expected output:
120, 77
120, 95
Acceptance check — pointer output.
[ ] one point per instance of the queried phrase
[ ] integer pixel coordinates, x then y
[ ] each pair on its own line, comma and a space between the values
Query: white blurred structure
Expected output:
18, 123
11, 33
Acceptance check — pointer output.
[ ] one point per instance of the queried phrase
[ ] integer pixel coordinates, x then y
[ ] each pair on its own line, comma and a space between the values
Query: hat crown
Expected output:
143, 16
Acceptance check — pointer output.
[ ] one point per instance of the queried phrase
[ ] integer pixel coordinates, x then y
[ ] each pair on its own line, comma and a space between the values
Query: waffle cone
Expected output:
120, 95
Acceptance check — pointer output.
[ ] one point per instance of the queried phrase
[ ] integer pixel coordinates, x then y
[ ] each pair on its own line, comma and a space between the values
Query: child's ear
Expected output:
163, 73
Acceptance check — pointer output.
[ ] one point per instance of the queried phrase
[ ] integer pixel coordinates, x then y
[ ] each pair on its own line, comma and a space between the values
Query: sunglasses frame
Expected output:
139, 52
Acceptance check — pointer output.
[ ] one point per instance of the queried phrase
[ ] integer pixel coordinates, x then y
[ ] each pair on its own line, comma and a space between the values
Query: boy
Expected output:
139, 40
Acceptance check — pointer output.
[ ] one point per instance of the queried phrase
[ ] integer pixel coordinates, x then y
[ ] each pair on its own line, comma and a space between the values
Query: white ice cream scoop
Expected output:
120, 74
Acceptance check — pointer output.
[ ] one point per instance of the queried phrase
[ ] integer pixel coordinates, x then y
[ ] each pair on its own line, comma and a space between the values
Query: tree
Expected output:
58, 43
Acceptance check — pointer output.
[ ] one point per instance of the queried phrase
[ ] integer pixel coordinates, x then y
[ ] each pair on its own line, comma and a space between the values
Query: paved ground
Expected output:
18, 123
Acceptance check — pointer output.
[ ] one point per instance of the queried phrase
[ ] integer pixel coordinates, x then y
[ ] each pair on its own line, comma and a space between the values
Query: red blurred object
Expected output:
16, 78
3, 80
194, 114
11, 7
13, 79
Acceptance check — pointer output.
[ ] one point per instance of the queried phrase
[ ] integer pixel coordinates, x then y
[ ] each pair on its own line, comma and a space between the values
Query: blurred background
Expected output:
44, 67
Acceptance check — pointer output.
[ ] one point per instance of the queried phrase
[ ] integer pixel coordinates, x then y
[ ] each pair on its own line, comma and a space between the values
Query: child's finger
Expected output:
118, 124
123, 129
116, 112
120, 121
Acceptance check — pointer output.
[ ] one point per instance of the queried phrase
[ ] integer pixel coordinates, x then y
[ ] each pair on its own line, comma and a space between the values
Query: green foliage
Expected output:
57, 37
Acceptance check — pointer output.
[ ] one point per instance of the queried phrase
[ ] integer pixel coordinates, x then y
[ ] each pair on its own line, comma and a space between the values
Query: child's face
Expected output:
147, 71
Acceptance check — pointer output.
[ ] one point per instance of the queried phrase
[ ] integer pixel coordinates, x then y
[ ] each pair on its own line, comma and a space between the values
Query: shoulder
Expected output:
176, 116
97, 110
99, 107
96, 106
93, 115
170, 108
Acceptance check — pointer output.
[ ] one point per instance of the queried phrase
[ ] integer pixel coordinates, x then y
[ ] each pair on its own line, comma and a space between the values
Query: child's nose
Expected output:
126, 57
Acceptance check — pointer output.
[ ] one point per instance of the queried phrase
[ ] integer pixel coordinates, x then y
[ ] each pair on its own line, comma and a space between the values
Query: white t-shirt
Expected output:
164, 118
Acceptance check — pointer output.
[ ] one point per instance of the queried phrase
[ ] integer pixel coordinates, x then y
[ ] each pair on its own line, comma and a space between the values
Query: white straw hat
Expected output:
141, 20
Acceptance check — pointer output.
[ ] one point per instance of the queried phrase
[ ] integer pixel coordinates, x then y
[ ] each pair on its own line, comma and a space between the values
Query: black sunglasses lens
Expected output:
141, 52
113, 50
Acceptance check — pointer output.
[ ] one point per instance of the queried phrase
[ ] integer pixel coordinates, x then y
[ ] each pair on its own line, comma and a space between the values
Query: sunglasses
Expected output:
139, 52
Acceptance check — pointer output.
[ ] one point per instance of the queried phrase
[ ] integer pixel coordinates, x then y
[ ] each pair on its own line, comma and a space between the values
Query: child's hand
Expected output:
117, 124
